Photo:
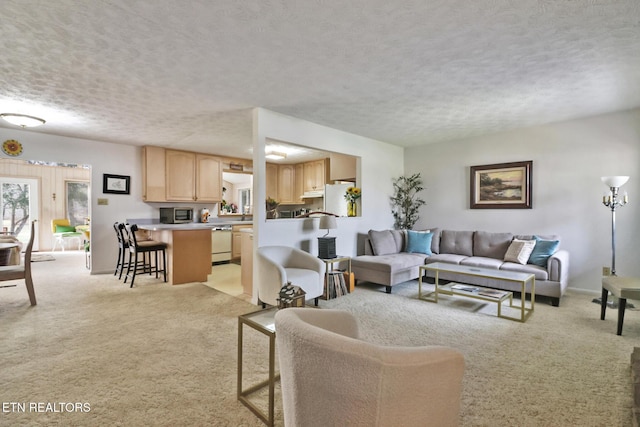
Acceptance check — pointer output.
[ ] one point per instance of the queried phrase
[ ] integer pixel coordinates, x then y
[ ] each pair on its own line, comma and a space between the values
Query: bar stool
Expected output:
146, 248
623, 288
123, 249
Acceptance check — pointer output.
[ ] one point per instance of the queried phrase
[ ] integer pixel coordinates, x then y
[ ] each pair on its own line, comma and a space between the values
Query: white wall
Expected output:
568, 160
379, 163
104, 157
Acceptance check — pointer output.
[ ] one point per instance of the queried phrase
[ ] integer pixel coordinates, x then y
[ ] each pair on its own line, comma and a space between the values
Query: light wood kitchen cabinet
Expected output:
271, 178
236, 240
153, 174
298, 186
181, 173
286, 185
315, 175
193, 177
208, 178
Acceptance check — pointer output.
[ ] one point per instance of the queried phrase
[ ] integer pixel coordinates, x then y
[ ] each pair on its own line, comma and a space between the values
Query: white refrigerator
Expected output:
334, 201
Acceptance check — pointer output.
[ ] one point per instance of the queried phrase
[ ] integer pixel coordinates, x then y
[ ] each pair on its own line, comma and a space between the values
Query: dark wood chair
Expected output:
145, 248
123, 249
22, 271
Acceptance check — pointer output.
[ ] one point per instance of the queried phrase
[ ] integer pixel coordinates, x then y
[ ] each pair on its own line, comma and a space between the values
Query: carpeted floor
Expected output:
162, 355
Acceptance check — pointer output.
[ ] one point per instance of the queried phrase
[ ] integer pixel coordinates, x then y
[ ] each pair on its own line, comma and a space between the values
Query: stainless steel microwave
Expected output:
176, 215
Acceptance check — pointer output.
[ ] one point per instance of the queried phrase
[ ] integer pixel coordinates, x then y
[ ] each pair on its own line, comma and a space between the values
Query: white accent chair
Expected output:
330, 377
62, 231
278, 265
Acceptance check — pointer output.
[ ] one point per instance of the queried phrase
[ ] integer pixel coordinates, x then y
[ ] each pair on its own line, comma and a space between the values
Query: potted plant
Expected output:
271, 205
405, 201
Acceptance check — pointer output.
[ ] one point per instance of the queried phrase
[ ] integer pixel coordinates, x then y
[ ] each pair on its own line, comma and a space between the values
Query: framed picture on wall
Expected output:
115, 184
501, 186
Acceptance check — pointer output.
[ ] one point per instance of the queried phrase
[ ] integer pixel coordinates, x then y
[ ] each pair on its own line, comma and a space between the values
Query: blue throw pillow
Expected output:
542, 251
419, 242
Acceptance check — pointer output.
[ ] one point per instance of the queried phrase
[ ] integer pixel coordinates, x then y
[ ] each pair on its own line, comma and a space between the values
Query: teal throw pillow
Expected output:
65, 229
542, 251
419, 242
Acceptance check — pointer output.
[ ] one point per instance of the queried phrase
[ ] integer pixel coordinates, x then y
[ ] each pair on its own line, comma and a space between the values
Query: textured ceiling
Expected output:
187, 73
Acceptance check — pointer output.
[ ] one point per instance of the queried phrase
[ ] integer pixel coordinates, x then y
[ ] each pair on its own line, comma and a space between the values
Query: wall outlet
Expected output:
606, 271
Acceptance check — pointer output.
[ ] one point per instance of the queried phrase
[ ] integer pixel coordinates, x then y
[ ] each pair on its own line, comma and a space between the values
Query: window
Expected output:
77, 202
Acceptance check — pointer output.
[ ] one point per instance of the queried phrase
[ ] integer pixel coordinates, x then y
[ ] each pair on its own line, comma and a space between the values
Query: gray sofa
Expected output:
387, 259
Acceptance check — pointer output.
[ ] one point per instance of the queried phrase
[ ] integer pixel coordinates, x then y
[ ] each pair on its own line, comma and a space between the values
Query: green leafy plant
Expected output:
271, 203
405, 201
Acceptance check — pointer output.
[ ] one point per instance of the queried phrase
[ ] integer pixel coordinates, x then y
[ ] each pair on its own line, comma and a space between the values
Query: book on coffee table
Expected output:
492, 293
466, 288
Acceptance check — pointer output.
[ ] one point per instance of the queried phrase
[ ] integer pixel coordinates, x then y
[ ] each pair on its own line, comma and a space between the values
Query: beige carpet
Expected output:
162, 355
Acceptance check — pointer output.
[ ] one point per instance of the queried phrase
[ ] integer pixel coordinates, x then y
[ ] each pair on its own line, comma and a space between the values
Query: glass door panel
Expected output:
19, 199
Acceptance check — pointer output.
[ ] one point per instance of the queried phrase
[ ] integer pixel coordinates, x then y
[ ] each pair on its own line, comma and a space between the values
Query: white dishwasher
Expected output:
221, 244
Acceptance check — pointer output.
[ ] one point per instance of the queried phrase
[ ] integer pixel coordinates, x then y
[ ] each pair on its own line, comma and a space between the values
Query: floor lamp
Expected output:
613, 201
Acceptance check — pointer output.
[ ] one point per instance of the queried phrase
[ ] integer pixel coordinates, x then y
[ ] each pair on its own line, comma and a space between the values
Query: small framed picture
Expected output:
115, 184
501, 186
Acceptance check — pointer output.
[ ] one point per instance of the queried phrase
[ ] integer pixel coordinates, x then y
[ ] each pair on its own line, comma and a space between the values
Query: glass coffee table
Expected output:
262, 321
478, 292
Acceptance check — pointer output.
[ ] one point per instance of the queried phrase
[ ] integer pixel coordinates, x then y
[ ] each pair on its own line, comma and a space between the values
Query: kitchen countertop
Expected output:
191, 226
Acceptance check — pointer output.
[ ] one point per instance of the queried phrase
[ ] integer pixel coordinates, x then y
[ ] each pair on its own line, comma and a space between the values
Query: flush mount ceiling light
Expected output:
275, 155
22, 120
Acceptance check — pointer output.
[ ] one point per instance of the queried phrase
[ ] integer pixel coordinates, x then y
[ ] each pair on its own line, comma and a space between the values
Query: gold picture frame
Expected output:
502, 186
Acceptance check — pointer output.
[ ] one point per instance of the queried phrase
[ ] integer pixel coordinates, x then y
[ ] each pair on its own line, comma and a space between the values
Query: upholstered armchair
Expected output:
330, 377
63, 231
278, 265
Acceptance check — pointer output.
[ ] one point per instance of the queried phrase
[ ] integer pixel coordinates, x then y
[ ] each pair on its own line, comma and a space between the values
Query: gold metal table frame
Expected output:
262, 321
508, 276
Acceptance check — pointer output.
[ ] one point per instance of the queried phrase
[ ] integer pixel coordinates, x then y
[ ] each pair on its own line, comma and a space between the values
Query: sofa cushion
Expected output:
388, 263
482, 262
456, 242
491, 245
542, 251
419, 242
539, 272
383, 242
435, 240
448, 258
519, 251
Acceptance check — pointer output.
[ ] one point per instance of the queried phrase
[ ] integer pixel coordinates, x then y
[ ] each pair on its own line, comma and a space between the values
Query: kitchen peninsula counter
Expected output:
188, 248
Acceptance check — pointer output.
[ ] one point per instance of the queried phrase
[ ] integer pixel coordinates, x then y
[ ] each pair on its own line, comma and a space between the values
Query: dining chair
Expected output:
23, 270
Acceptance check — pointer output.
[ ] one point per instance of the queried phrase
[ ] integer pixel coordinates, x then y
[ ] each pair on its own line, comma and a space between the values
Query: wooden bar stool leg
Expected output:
164, 264
135, 268
622, 305
603, 303
155, 253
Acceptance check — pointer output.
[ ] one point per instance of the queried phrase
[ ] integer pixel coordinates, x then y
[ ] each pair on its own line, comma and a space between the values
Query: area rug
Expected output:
42, 257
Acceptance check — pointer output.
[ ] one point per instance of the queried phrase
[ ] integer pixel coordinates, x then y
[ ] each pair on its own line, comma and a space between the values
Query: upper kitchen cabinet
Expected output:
298, 187
315, 175
208, 178
153, 175
287, 185
192, 177
271, 178
342, 167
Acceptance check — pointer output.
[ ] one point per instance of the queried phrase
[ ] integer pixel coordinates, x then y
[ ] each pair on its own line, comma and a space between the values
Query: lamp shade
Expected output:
328, 222
614, 181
